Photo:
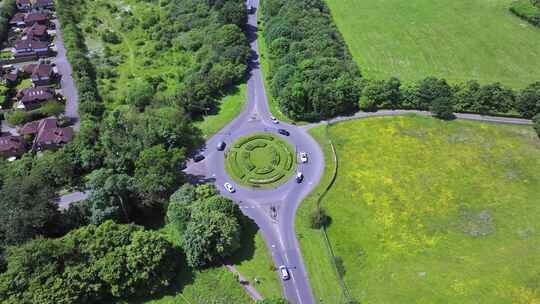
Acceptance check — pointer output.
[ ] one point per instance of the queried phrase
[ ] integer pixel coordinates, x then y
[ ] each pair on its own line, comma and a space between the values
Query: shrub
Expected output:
443, 108
16, 118
527, 10
318, 218
528, 101
52, 108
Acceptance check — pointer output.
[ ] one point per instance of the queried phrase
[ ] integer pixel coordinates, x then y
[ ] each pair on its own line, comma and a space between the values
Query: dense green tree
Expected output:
318, 218
443, 108
374, 95
29, 209
528, 101
494, 98
140, 94
213, 232
89, 265
158, 172
429, 89
55, 168
112, 196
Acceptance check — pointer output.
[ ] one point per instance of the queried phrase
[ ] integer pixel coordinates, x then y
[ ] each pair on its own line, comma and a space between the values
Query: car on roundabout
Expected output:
229, 187
283, 132
303, 157
221, 146
299, 177
274, 120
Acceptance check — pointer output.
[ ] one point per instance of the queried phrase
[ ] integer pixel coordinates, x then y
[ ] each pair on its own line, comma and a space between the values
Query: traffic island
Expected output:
260, 160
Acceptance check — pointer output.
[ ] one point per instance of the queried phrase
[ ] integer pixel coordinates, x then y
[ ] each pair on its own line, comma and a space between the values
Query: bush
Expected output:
528, 101
52, 108
318, 218
443, 108
527, 10
16, 118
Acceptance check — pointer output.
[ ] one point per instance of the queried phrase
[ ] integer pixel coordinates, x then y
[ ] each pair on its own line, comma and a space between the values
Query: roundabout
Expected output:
260, 160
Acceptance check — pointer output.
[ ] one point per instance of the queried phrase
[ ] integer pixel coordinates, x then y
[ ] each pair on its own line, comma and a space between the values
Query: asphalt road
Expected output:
67, 84
278, 231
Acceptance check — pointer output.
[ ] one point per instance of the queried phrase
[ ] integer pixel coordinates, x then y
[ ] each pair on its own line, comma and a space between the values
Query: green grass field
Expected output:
134, 58
229, 108
426, 211
260, 160
457, 40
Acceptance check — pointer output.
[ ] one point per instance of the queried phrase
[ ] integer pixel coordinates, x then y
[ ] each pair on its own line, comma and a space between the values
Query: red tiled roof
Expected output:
36, 30
18, 17
30, 128
48, 132
10, 143
35, 17
30, 44
31, 95
38, 70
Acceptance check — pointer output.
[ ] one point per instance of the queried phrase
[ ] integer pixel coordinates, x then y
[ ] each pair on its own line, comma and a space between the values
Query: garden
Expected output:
260, 160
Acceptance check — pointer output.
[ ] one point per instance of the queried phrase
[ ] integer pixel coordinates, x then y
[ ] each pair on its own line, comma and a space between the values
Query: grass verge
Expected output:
230, 106
322, 274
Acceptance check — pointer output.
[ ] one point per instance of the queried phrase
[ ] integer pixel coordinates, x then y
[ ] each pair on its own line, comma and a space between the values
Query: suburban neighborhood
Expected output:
33, 101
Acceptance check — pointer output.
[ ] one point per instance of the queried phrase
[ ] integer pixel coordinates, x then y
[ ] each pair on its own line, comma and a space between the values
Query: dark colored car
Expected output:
299, 177
198, 158
221, 146
283, 132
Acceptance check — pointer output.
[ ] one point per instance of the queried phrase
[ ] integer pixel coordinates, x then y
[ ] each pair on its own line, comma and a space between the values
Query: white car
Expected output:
284, 273
303, 157
229, 187
274, 120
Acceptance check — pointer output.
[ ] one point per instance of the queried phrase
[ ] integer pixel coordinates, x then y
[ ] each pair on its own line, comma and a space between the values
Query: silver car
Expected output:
229, 187
284, 273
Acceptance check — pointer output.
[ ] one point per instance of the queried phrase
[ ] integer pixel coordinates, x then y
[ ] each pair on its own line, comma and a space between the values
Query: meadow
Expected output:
427, 211
458, 40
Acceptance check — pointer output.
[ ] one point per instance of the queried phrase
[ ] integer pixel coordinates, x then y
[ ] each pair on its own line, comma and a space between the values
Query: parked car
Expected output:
299, 177
229, 187
283, 132
284, 273
274, 120
198, 158
303, 157
221, 146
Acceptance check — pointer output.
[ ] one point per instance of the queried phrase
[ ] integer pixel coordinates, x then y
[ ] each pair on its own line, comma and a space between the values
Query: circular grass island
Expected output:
260, 160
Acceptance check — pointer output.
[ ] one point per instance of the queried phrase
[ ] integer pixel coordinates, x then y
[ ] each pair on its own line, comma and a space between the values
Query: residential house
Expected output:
43, 4
37, 32
47, 134
41, 74
17, 20
33, 98
29, 48
12, 146
24, 5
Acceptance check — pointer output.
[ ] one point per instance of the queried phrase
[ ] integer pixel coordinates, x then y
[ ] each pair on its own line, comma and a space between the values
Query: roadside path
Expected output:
466, 116
253, 293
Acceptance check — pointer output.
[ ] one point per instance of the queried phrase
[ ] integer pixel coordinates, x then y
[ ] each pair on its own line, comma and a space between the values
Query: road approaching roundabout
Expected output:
260, 162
